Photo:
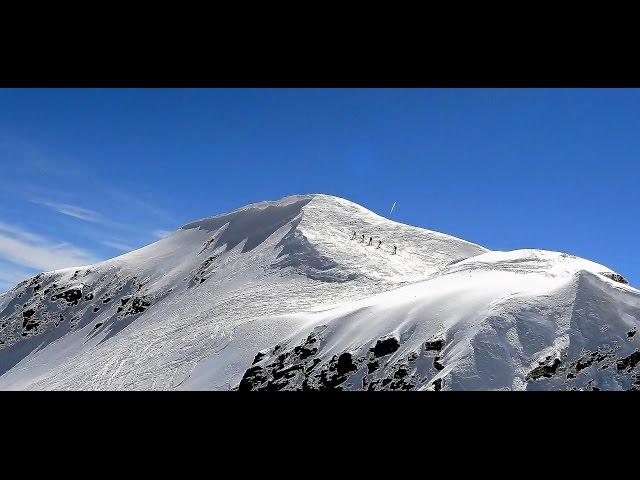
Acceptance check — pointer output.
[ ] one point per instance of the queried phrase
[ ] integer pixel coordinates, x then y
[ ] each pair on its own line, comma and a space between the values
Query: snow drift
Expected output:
306, 293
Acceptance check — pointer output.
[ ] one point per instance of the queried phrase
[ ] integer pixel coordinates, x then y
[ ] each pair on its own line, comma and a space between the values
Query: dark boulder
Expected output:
385, 347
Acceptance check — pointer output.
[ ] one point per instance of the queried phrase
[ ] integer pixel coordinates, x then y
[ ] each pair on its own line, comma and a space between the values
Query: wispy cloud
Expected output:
122, 247
20, 233
93, 217
74, 211
34, 251
161, 233
11, 275
148, 207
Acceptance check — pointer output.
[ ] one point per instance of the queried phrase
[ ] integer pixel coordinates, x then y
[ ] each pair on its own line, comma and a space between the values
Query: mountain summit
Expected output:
314, 292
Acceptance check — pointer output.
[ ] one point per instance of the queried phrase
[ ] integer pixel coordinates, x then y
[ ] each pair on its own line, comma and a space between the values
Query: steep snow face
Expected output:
528, 319
147, 318
282, 295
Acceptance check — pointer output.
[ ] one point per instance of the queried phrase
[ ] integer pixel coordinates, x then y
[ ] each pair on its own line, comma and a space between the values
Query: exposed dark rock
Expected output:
315, 362
207, 244
298, 368
286, 372
28, 323
436, 364
616, 277
631, 333
434, 345
333, 375
385, 347
372, 366
630, 362
74, 321
259, 356
253, 377
544, 370
71, 296
138, 305
281, 358
199, 277
345, 364
207, 262
123, 302
304, 352
401, 373
600, 356
589, 359
583, 363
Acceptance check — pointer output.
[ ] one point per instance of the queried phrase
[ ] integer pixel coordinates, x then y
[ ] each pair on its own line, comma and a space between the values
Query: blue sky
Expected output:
86, 174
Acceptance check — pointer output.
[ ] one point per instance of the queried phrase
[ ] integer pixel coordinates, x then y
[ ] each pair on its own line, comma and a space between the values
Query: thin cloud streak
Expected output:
33, 251
20, 233
91, 216
11, 275
74, 211
122, 247
130, 199
161, 233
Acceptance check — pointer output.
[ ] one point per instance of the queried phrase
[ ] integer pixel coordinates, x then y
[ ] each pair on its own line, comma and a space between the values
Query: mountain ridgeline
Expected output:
313, 292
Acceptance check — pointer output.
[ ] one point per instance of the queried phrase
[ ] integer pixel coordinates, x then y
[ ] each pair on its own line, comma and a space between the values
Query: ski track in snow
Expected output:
277, 295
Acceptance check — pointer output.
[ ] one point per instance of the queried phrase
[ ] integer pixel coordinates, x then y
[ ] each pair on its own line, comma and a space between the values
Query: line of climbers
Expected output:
371, 241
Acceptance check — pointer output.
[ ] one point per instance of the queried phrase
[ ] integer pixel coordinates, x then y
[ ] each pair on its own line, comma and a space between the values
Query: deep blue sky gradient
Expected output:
506, 168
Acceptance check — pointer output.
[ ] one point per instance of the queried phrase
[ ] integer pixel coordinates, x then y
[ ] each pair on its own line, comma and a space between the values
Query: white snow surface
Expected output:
240, 295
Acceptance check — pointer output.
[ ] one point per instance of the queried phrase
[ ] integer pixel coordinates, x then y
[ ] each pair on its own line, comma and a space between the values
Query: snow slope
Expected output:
279, 295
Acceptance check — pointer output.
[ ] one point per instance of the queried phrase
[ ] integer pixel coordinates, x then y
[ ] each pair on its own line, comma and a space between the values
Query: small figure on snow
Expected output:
354, 235
363, 238
394, 249
379, 243
370, 240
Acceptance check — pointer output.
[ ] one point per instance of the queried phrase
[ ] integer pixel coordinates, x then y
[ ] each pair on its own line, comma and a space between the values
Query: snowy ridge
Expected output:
279, 295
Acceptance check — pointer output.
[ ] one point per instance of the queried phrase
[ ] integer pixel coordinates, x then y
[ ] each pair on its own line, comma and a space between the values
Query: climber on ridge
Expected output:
379, 243
354, 235
394, 249
370, 240
363, 238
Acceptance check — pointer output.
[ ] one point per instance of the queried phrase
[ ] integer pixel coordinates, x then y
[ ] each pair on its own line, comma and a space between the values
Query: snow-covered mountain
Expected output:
287, 295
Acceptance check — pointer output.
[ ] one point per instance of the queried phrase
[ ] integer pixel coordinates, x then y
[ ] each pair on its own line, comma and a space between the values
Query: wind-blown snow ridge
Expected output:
286, 295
